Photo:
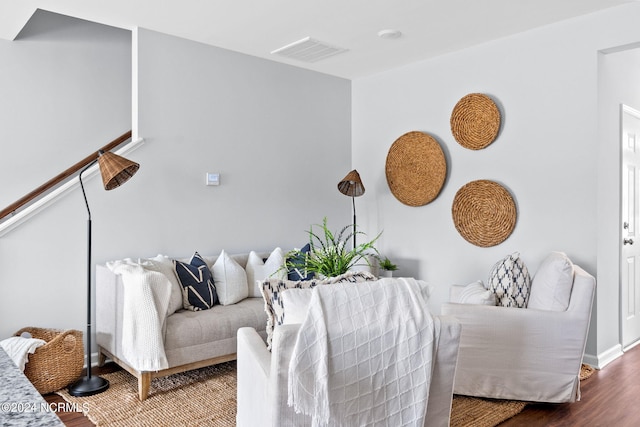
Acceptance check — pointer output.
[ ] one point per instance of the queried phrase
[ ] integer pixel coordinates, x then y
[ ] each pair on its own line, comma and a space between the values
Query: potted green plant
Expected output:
330, 253
387, 267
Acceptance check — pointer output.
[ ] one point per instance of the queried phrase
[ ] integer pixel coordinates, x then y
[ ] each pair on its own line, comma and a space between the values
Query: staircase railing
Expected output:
54, 184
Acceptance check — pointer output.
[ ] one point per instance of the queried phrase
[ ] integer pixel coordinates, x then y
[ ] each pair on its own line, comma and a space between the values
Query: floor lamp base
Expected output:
88, 386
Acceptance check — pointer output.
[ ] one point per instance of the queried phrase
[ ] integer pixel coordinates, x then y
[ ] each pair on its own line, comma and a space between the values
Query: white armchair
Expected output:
263, 376
523, 353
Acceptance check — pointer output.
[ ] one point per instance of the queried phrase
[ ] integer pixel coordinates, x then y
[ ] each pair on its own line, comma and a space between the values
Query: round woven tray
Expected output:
416, 168
475, 121
484, 213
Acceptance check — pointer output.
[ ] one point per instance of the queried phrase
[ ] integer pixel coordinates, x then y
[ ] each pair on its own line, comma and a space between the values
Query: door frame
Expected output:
622, 311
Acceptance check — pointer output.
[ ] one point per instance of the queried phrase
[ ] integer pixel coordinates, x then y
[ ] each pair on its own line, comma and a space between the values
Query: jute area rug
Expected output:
207, 397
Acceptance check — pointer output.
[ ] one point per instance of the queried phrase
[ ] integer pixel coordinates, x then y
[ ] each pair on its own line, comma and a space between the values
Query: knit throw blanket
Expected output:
19, 349
364, 355
146, 299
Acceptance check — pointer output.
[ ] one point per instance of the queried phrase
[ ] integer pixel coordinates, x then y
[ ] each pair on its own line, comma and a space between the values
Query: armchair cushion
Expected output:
551, 286
510, 281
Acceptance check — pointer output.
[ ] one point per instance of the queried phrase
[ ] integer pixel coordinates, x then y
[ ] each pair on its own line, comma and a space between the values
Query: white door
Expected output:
630, 236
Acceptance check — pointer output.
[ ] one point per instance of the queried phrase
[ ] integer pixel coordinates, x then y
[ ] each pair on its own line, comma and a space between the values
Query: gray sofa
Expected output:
191, 339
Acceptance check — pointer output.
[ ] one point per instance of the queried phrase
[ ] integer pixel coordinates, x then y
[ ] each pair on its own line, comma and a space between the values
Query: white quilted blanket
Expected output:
364, 355
146, 299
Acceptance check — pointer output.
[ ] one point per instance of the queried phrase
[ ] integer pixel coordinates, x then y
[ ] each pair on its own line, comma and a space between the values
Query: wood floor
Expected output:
610, 398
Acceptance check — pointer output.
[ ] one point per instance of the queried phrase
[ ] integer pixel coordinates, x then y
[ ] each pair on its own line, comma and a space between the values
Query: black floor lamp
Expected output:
115, 171
351, 185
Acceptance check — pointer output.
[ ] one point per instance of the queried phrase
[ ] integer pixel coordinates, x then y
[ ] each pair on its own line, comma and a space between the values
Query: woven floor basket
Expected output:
484, 213
475, 121
416, 168
56, 364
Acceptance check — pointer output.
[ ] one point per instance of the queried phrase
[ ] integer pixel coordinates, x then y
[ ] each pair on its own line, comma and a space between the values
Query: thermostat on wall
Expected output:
213, 179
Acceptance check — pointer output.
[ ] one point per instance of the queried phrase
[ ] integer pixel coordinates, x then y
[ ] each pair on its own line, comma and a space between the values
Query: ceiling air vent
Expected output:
308, 50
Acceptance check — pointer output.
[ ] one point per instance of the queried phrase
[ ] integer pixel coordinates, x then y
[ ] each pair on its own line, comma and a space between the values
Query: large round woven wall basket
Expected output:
416, 168
484, 213
475, 121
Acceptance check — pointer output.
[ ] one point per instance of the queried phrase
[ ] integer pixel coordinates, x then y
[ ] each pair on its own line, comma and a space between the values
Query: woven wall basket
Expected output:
416, 168
484, 213
475, 121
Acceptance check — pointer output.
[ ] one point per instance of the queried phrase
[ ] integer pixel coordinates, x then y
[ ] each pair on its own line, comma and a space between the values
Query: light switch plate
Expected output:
213, 178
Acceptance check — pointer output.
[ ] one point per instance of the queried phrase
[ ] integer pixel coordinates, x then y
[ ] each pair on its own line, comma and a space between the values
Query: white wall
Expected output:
279, 136
65, 91
547, 153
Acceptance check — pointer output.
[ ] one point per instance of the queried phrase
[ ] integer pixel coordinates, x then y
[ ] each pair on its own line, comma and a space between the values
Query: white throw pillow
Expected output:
230, 280
295, 305
163, 264
509, 280
552, 283
476, 293
258, 270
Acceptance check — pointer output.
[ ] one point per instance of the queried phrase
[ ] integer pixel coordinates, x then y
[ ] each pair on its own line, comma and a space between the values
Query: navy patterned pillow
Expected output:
509, 280
196, 280
298, 272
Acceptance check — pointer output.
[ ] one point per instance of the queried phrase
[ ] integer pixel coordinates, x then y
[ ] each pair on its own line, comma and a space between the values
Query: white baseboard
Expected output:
604, 358
630, 346
94, 360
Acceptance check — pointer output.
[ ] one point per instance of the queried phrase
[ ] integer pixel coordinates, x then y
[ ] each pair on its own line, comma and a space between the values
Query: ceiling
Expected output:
258, 27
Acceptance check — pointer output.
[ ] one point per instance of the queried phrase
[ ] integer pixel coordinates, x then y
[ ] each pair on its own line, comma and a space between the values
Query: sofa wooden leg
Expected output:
144, 382
102, 358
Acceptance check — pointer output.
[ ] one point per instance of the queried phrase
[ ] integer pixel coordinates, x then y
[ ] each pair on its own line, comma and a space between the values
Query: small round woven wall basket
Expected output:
484, 213
475, 121
416, 168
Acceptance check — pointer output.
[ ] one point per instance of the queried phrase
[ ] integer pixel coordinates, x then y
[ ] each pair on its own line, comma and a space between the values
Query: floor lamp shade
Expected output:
115, 171
351, 185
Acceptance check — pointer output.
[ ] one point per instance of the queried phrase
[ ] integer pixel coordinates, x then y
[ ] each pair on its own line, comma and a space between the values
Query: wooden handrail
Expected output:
58, 179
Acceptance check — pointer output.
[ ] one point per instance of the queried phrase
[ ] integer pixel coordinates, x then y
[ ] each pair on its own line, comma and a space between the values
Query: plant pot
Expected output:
386, 273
